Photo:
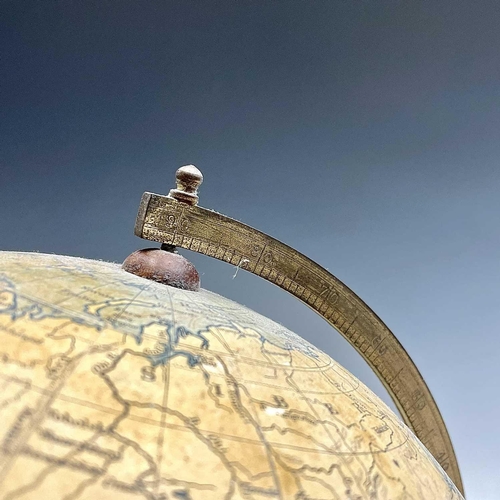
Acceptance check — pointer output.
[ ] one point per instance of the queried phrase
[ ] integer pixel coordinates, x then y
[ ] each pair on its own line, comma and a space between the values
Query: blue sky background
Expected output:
366, 134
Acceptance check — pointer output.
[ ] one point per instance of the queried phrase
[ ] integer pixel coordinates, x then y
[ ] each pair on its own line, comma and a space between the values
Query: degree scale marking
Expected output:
166, 220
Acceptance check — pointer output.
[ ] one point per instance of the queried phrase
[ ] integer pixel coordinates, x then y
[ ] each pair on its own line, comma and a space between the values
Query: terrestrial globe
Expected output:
118, 387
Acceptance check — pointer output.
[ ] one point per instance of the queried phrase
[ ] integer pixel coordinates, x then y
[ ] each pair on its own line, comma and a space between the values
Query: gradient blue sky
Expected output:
366, 134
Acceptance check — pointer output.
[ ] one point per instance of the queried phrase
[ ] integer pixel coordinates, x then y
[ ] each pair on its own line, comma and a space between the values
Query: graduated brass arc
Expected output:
166, 220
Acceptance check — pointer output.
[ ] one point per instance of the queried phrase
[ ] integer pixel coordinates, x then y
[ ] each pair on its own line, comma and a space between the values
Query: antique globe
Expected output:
120, 386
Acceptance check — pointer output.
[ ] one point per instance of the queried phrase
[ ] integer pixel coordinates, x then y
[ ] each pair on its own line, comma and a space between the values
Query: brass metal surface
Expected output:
169, 221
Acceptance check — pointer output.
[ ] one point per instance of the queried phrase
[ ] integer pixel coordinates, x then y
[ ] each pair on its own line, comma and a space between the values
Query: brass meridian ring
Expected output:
166, 220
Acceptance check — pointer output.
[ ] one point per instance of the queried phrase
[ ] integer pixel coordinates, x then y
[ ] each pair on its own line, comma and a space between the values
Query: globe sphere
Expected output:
116, 387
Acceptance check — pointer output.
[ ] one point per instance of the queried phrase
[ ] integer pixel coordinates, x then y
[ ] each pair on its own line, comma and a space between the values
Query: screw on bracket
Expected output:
188, 180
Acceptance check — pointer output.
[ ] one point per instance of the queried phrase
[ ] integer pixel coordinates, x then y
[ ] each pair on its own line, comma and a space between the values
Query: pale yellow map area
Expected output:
115, 387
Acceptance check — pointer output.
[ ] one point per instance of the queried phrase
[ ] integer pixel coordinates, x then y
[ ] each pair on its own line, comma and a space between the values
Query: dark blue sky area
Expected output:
363, 133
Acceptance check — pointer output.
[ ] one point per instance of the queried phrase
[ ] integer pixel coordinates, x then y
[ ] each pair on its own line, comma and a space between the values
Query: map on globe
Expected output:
113, 386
